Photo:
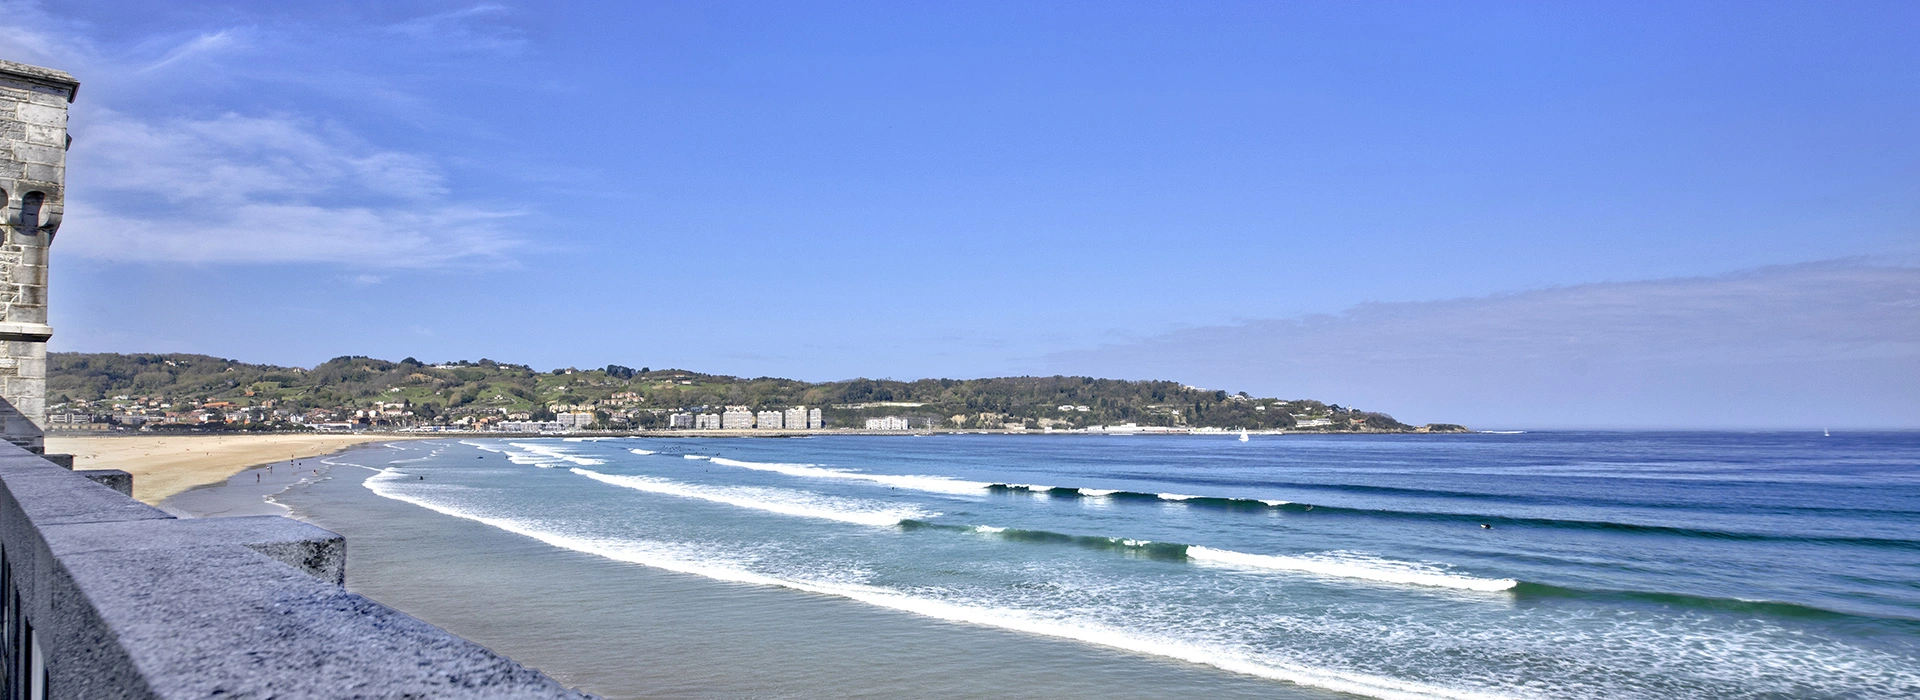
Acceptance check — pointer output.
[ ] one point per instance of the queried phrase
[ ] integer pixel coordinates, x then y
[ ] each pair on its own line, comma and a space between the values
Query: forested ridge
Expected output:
410, 392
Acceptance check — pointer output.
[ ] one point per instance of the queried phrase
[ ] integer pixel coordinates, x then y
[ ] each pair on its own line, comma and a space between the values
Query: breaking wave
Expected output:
1349, 565
537, 455
702, 561
931, 484
1273, 505
782, 501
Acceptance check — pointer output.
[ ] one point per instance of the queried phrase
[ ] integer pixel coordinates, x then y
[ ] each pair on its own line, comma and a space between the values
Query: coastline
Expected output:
673, 634
165, 465
636, 593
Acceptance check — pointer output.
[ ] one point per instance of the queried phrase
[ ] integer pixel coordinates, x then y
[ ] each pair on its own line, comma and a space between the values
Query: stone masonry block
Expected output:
111, 478
41, 172
42, 114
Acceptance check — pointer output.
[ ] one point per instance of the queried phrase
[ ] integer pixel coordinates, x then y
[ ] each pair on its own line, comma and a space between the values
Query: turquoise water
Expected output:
1572, 565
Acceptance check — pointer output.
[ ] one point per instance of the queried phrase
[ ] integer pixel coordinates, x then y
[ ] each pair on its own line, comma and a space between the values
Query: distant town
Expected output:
108, 392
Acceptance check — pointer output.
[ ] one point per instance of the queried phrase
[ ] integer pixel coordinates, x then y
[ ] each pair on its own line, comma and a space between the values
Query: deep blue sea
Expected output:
1554, 564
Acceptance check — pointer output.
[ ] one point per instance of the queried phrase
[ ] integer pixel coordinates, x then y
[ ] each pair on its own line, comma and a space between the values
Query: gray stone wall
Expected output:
124, 602
33, 169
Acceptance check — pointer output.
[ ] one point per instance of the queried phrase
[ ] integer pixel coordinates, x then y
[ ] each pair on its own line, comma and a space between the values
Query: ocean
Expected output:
1532, 565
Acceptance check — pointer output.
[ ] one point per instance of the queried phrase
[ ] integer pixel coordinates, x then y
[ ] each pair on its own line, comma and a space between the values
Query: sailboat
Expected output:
1824, 433
1243, 434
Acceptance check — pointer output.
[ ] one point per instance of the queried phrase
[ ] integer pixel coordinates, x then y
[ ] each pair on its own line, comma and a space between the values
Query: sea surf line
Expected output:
931, 484
782, 501
537, 455
1347, 565
1255, 504
662, 556
951, 486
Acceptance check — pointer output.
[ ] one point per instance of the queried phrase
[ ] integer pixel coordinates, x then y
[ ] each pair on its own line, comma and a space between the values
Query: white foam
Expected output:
1175, 496
1275, 503
931, 484
708, 564
783, 501
1098, 492
537, 453
988, 529
639, 451
1036, 488
694, 456
1351, 565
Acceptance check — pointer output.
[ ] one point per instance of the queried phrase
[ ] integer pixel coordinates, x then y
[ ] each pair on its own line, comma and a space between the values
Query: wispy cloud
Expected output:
148, 186
478, 27
204, 46
236, 189
1836, 341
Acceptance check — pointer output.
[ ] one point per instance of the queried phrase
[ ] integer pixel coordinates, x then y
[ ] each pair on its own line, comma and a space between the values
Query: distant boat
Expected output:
1243, 435
1824, 433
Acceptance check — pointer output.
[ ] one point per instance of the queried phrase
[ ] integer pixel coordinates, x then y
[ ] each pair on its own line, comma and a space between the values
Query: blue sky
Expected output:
828, 190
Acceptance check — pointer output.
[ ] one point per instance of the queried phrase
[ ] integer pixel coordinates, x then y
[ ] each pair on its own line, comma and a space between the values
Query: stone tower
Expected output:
33, 169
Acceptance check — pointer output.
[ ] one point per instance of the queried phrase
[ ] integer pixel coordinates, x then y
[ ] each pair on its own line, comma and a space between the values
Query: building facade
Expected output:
887, 423
680, 421
33, 164
516, 426
707, 421
737, 419
768, 420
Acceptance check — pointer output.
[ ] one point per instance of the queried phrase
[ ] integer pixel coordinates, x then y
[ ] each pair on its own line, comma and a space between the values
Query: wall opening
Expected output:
30, 210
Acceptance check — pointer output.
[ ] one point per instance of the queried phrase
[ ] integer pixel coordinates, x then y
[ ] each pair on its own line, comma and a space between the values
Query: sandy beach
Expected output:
165, 465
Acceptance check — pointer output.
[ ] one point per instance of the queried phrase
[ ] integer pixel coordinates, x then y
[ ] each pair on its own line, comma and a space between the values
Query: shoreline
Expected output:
166, 465
372, 436
683, 635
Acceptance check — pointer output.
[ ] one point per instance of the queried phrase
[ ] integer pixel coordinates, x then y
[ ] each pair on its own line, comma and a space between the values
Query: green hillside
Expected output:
627, 398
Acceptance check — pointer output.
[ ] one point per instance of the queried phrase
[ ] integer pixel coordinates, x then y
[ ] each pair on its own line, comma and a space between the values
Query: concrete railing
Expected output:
105, 597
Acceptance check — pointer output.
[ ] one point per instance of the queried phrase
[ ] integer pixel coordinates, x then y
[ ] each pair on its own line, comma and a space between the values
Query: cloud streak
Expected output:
1795, 345
250, 190
152, 185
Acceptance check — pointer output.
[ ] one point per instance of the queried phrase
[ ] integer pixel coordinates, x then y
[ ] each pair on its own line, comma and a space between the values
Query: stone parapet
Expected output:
106, 597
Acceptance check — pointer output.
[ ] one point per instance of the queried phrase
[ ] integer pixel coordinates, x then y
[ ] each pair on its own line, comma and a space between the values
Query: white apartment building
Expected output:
574, 420
530, 426
680, 421
736, 419
767, 420
887, 423
706, 421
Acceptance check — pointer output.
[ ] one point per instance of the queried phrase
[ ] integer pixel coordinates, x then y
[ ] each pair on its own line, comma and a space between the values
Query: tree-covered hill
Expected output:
377, 390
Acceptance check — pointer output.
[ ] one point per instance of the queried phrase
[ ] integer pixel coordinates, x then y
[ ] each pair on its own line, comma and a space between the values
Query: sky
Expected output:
1531, 215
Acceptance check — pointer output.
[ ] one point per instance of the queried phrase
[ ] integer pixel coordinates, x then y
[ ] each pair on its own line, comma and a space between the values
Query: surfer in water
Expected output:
1485, 526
